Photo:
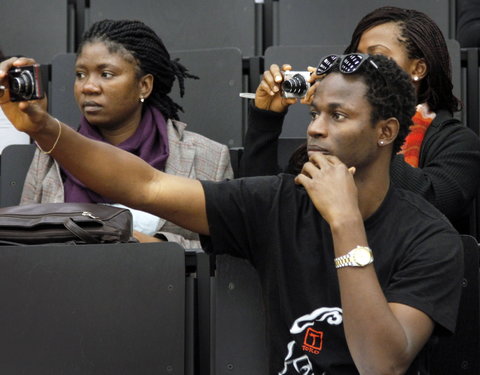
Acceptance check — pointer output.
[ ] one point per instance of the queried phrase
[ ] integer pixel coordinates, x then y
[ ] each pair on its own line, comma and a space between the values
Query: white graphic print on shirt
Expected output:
313, 339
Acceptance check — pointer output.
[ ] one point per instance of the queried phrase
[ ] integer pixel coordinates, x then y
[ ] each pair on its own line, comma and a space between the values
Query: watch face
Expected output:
362, 256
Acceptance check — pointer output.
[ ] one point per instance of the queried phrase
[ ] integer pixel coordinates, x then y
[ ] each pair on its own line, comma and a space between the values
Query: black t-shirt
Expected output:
273, 223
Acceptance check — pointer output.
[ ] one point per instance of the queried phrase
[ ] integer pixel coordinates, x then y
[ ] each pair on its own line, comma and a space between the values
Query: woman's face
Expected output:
107, 88
385, 39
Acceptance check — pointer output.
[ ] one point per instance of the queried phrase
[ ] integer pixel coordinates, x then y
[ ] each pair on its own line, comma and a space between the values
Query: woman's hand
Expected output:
307, 99
269, 93
142, 237
27, 116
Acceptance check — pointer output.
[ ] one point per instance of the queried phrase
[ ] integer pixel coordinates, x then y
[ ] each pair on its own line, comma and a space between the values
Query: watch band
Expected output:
360, 256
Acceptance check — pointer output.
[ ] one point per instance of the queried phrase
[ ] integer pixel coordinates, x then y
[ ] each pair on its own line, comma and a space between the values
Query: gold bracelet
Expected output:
56, 140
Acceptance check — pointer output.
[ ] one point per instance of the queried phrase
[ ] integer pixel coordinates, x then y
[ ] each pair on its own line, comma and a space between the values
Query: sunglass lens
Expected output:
326, 64
350, 63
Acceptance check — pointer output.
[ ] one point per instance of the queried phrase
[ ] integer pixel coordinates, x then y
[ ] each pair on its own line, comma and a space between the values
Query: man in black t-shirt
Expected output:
357, 275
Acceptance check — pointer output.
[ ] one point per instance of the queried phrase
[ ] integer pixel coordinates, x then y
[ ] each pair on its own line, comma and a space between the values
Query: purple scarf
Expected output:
149, 142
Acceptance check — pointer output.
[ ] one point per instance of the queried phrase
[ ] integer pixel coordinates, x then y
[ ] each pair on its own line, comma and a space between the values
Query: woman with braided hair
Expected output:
123, 77
440, 158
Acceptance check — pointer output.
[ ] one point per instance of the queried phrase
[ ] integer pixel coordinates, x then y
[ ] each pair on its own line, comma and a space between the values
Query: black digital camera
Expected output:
295, 84
25, 83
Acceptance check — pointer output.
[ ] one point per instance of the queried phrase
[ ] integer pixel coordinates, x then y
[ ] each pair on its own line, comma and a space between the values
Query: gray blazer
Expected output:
191, 155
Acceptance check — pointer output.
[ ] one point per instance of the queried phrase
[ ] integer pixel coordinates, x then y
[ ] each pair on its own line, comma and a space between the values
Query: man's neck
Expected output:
372, 190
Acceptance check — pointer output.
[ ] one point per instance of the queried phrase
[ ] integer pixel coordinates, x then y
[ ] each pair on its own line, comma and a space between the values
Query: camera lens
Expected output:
22, 85
296, 85
16, 85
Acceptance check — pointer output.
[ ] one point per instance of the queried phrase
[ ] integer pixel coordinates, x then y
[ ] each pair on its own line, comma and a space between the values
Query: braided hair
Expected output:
422, 39
150, 55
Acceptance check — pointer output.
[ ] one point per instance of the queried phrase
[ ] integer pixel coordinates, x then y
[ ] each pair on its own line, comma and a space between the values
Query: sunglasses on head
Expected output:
347, 63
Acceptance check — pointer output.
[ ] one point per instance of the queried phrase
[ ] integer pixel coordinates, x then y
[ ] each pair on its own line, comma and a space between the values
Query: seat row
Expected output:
154, 308
250, 25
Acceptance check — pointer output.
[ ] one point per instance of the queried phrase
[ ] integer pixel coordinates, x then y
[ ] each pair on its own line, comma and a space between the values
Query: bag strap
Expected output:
80, 232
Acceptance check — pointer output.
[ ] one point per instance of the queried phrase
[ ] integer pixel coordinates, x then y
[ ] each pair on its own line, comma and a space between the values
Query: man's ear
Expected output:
146, 85
388, 131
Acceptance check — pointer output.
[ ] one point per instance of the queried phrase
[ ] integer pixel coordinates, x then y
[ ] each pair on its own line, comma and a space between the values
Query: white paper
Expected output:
9, 135
143, 221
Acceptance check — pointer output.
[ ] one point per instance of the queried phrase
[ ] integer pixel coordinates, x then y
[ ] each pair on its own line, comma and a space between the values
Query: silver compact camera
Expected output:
295, 84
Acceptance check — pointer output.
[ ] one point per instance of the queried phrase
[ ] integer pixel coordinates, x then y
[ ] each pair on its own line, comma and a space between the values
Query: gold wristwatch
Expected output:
358, 257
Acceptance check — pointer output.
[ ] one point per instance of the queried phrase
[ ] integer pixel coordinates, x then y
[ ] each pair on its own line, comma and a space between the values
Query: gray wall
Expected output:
332, 22
188, 24
35, 28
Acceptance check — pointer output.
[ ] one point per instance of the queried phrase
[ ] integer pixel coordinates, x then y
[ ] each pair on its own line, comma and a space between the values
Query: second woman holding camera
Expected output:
440, 158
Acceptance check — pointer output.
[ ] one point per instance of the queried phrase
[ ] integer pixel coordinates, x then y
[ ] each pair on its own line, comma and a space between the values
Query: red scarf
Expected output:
413, 142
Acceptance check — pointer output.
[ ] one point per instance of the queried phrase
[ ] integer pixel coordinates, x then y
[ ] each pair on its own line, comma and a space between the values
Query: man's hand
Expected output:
27, 116
269, 93
330, 186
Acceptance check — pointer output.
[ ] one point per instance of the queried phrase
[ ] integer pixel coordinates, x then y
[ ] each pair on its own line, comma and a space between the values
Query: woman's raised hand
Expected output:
26, 116
269, 92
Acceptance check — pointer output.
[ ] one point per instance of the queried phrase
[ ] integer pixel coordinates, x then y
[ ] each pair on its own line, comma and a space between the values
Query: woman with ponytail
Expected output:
124, 74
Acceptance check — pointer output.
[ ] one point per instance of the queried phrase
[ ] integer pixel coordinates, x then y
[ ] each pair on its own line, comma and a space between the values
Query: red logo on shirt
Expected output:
313, 341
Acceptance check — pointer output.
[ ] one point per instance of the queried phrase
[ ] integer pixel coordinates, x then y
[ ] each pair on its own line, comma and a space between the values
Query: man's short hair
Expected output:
390, 93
